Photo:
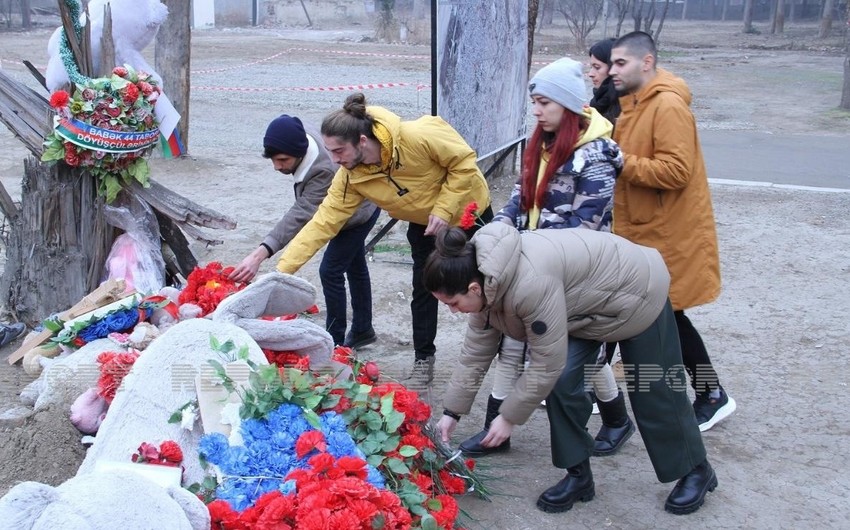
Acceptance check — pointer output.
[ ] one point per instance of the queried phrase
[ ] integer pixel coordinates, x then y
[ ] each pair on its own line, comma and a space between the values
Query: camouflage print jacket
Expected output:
581, 191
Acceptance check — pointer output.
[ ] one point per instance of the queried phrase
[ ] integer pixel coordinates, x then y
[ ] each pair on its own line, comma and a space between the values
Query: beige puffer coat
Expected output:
541, 286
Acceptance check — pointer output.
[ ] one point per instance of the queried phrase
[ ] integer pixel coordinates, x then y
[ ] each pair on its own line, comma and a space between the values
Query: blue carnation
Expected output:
287, 487
282, 441
237, 492
333, 422
374, 477
237, 461
252, 429
213, 447
340, 444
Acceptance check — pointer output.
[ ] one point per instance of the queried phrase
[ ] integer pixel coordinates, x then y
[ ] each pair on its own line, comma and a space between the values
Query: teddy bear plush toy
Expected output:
102, 501
134, 26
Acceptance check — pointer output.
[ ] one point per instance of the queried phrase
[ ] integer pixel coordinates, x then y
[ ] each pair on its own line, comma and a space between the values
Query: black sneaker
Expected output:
710, 411
363, 339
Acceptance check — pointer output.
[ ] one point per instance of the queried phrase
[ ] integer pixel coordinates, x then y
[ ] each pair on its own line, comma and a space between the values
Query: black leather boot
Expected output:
689, 493
576, 486
616, 428
472, 446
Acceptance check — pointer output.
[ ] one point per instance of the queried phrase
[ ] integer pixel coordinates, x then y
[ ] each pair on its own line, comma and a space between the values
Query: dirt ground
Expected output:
775, 334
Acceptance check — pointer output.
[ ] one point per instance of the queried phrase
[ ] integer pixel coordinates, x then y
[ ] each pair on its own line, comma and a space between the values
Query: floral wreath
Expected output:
106, 126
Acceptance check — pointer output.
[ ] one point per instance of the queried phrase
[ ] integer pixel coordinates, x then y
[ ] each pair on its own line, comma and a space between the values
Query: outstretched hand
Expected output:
445, 427
499, 431
435, 224
247, 269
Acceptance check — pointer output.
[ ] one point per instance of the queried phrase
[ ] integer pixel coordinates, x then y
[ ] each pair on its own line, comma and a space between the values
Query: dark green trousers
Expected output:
657, 387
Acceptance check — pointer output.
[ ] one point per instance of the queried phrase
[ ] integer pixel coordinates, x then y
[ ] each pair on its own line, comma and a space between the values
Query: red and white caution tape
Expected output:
339, 88
311, 50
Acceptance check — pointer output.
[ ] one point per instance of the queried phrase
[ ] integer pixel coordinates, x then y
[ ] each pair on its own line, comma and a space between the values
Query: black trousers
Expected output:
694, 355
423, 306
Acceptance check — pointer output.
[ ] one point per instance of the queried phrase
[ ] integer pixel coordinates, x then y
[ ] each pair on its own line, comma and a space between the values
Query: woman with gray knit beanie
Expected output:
567, 182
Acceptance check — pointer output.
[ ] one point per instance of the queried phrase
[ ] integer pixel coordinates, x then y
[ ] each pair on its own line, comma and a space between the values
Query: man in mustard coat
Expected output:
420, 171
662, 200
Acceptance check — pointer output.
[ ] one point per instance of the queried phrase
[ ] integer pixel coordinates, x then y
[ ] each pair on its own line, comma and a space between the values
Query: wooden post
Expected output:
172, 60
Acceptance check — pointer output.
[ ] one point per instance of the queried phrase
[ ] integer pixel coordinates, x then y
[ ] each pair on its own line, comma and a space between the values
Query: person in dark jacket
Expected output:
295, 152
605, 98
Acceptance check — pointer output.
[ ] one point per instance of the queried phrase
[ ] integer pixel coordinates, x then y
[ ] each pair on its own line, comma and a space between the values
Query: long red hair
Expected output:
560, 146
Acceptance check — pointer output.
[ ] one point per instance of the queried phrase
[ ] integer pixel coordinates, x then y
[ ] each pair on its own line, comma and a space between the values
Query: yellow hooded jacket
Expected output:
431, 171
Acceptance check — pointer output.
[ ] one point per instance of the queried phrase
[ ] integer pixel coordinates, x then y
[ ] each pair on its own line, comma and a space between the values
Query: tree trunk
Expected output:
792, 10
26, 15
724, 10
57, 245
845, 92
172, 58
748, 16
533, 8
778, 25
826, 19
657, 35
685, 9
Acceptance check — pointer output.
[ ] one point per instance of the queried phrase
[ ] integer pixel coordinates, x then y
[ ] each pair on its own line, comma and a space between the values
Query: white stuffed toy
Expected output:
134, 26
102, 501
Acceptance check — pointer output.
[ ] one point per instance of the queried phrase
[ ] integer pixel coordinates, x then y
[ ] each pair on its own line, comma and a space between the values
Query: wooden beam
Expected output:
71, 36
181, 209
7, 205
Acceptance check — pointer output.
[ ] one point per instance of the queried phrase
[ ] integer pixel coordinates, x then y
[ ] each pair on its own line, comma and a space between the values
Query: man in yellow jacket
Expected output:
420, 171
662, 200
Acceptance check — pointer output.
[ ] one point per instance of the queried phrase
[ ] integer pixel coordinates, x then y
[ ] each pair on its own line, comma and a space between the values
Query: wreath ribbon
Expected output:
105, 140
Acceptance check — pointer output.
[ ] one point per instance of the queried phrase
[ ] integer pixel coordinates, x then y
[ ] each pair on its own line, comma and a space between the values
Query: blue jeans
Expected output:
345, 256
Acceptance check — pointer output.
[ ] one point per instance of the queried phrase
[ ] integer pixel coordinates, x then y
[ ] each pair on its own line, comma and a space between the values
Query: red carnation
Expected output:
113, 111
170, 452
131, 94
308, 441
145, 87
120, 71
71, 156
59, 99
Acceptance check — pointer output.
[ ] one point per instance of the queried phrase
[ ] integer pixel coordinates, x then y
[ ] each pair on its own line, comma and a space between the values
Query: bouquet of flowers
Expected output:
207, 287
114, 366
319, 451
107, 126
167, 454
81, 332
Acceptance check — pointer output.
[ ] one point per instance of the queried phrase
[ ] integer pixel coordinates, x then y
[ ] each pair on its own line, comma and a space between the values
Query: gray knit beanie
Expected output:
563, 83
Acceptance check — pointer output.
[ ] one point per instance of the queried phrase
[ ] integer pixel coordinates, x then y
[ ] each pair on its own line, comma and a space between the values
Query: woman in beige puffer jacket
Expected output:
565, 292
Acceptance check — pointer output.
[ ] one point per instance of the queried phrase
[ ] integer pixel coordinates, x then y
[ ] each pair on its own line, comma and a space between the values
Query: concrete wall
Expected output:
233, 12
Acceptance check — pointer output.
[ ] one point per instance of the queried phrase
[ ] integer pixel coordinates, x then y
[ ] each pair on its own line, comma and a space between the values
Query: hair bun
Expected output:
355, 104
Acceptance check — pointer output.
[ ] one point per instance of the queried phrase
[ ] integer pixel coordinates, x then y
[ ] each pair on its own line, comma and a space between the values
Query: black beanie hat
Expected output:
286, 135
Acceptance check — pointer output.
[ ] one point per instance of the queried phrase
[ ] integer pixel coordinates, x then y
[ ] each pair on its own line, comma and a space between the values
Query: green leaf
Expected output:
311, 402
397, 466
429, 523
176, 417
112, 187
379, 522
375, 460
243, 353
313, 419
387, 403
372, 420
214, 343
394, 420
54, 324
434, 504
391, 443
407, 451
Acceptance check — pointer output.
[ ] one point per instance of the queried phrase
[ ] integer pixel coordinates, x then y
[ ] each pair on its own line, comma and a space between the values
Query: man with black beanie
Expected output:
293, 151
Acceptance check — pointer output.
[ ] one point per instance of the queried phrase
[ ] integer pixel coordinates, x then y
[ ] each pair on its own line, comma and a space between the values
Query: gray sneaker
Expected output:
421, 375
10, 332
